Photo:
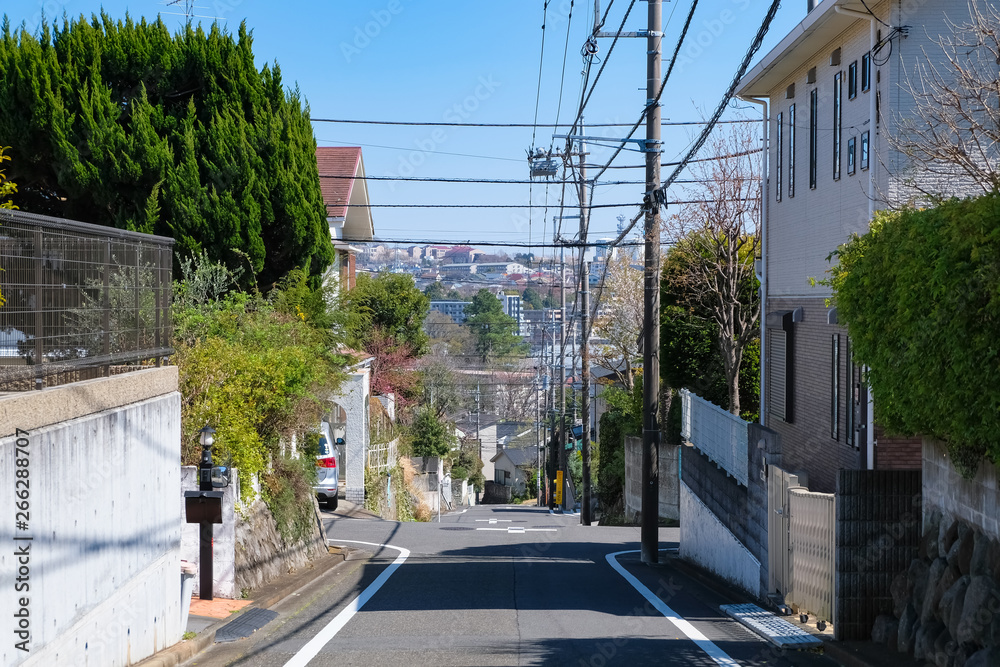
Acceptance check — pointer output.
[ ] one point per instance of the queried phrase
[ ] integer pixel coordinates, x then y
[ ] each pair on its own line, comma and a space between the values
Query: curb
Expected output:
273, 594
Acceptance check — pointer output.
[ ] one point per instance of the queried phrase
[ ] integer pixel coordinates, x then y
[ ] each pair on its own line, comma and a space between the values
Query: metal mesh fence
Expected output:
79, 300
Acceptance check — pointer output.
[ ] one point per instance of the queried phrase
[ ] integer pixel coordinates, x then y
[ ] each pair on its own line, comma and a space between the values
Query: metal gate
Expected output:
779, 562
800, 534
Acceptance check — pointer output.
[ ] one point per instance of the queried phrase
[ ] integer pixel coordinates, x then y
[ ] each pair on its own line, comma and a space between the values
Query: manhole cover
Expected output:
244, 625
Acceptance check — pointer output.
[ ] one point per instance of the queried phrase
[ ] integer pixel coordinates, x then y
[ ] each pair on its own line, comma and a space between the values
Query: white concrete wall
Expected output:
706, 542
975, 501
223, 537
353, 398
104, 567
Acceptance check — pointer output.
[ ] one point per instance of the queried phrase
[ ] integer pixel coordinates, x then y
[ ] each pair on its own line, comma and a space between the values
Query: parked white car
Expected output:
327, 469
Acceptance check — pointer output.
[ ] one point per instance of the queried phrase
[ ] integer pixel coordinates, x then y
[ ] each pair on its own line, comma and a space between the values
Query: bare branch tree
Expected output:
953, 129
619, 324
719, 240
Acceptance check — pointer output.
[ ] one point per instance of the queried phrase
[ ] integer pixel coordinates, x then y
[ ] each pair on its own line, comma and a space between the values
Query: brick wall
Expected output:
877, 535
808, 445
897, 452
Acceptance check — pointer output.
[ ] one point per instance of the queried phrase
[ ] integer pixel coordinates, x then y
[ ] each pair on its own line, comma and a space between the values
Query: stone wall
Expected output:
262, 554
946, 605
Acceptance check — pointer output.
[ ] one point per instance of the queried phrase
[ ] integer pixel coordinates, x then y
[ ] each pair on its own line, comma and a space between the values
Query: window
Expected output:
777, 157
791, 151
864, 149
852, 80
837, 90
813, 135
851, 150
849, 399
777, 346
866, 72
835, 389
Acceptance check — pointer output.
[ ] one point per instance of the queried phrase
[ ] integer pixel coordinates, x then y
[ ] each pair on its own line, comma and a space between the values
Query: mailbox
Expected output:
203, 506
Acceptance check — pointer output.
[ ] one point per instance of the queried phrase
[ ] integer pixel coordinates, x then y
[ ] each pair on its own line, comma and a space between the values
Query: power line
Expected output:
703, 159
700, 141
536, 124
630, 204
497, 244
487, 181
403, 148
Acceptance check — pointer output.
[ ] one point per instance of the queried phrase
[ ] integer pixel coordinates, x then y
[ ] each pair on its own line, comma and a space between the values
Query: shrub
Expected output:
920, 295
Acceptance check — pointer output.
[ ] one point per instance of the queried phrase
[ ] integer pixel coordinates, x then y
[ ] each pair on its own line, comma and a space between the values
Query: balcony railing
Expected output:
80, 300
720, 435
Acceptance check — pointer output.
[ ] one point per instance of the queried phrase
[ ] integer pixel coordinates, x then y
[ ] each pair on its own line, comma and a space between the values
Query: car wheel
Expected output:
332, 504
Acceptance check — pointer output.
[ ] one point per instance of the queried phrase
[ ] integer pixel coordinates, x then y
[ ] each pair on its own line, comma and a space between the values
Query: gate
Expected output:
800, 535
779, 563
811, 535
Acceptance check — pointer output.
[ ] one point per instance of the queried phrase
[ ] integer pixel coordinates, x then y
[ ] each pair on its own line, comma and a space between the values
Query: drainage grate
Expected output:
767, 625
244, 625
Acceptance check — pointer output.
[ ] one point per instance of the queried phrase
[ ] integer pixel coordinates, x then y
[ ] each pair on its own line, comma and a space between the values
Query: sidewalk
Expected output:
846, 653
207, 616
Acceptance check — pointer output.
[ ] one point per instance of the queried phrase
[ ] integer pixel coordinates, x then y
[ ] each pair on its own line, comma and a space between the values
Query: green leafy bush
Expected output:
920, 295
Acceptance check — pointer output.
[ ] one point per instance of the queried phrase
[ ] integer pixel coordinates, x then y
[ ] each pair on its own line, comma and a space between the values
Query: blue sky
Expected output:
474, 61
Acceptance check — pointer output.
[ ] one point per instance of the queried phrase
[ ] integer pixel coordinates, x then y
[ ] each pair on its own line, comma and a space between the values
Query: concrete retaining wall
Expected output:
103, 574
706, 542
669, 461
976, 502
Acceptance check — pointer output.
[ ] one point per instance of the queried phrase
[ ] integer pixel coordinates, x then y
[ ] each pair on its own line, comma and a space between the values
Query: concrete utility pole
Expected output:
649, 532
585, 510
553, 441
562, 371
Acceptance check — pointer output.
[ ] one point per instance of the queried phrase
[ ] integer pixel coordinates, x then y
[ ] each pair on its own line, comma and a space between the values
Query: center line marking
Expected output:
323, 637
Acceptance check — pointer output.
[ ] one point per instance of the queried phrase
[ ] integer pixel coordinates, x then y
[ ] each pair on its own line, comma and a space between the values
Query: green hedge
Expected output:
920, 295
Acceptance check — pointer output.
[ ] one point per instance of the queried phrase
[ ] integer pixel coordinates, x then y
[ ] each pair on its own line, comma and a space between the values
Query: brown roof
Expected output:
337, 161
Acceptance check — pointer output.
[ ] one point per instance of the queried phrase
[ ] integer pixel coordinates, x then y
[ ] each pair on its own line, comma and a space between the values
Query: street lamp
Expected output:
204, 507
207, 439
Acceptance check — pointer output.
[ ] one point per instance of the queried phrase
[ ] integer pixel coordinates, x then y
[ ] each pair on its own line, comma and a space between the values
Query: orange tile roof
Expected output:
337, 161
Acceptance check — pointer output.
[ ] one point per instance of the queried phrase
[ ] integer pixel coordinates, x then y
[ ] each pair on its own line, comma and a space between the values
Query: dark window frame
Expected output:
849, 398
835, 388
838, 86
852, 163
813, 137
791, 151
779, 145
866, 72
865, 149
852, 80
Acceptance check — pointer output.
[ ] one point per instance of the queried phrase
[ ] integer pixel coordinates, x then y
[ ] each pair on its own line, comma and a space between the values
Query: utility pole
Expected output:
649, 532
585, 509
553, 441
538, 444
562, 370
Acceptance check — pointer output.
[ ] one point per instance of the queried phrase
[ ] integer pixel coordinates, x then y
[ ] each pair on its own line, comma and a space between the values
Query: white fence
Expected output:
811, 536
382, 456
720, 435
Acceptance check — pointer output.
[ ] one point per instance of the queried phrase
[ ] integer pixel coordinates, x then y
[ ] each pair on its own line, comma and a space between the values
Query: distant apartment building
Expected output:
513, 308
453, 309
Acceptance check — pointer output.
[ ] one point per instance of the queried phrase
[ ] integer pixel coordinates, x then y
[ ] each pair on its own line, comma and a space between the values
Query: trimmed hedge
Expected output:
920, 295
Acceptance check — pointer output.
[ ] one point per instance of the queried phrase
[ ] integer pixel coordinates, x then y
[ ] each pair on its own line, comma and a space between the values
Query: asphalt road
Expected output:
500, 585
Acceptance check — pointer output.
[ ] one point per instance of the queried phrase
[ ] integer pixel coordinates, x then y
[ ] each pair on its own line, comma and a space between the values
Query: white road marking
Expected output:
492, 521
691, 632
323, 637
521, 529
